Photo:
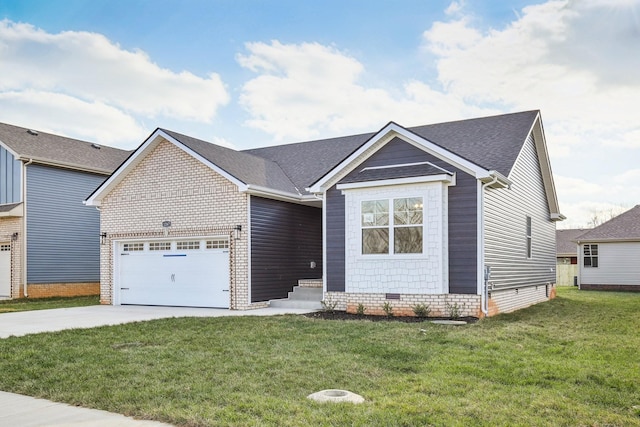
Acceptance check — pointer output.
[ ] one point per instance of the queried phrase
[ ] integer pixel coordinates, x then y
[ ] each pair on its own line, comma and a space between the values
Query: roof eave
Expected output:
65, 165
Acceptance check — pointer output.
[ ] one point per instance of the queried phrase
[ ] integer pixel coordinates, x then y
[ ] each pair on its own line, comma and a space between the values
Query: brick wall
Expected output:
8, 226
171, 185
440, 305
46, 290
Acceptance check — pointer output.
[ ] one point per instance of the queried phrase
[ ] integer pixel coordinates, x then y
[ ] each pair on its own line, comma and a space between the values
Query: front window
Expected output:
403, 226
529, 240
591, 255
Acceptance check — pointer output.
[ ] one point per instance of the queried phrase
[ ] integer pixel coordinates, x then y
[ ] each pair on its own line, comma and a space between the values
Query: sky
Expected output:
252, 73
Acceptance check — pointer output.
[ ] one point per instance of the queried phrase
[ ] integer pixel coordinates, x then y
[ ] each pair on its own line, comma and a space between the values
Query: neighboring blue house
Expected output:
49, 241
402, 216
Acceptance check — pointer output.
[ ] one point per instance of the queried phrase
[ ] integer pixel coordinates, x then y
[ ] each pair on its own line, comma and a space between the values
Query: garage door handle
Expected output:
225, 290
124, 289
173, 277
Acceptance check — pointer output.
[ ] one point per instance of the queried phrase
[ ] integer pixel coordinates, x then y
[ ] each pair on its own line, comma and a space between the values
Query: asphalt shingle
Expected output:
625, 226
61, 151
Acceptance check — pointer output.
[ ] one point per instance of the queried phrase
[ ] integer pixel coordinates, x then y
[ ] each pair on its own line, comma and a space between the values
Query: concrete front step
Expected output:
306, 294
300, 297
287, 303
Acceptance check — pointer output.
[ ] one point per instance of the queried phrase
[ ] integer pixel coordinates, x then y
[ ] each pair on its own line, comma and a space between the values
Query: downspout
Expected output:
484, 298
24, 227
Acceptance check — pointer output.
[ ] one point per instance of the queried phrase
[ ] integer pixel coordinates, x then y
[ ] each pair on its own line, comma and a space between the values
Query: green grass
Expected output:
28, 304
574, 361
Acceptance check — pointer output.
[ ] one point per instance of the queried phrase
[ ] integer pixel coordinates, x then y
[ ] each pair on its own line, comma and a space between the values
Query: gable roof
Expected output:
565, 241
45, 148
246, 167
487, 147
492, 143
624, 227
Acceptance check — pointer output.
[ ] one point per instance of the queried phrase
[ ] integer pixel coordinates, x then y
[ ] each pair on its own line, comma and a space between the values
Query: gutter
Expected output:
24, 227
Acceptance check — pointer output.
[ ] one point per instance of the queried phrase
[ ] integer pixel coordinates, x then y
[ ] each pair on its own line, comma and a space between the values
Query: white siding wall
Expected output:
506, 211
618, 264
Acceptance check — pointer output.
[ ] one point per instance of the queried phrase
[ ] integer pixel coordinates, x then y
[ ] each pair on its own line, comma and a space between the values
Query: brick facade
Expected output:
170, 185
504, 301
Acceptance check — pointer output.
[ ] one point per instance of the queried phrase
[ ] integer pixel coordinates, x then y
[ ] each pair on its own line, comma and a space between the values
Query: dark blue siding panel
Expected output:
462, 220
285, 239
9, 178
335, 240
63, 243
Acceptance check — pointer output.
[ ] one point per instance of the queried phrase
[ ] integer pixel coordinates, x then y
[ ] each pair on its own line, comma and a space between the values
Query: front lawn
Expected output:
574, 361
27, 304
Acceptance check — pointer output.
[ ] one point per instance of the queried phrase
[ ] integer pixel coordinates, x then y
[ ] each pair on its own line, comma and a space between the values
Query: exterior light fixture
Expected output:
14, 236
103, 238
237, 229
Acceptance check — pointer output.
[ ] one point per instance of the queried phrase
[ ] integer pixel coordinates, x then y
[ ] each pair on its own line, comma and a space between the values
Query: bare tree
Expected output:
601, 216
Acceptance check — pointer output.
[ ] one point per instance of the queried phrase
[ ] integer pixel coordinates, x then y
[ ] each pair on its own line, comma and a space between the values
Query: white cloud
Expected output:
65, 115
102, 76
303, 90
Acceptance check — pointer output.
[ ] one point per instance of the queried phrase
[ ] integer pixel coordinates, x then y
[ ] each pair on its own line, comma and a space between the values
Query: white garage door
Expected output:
5, 270
186, 272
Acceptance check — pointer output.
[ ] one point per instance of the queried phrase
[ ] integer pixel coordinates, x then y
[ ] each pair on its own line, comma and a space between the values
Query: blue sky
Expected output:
253, 73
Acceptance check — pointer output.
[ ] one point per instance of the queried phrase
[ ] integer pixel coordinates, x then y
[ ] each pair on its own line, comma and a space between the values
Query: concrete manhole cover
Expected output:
449, 322
333, 395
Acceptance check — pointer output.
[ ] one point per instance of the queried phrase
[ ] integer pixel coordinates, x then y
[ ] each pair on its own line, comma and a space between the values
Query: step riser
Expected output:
284, 303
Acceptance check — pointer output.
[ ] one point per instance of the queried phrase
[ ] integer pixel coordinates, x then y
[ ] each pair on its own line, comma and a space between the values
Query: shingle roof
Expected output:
625, 226
565, 244
246, 167
490, 142
8, 207
61, 151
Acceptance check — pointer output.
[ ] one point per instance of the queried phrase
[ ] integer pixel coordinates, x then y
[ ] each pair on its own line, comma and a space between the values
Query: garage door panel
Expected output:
194, 278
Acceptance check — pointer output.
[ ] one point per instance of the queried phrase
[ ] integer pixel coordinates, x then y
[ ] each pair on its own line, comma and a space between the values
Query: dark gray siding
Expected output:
285, 239
9, 178
506, 214
335, 223
63, 243
462, 211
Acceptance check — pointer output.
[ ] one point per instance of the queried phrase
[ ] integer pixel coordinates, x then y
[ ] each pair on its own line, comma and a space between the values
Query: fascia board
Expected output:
146, 147
270, 193
545, 168
388, 132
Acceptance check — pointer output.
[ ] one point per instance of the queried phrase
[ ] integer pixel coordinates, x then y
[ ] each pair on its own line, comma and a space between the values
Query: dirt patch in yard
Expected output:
343, 315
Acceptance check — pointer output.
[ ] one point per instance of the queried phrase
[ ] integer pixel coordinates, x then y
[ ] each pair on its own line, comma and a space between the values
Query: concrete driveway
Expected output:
33, 322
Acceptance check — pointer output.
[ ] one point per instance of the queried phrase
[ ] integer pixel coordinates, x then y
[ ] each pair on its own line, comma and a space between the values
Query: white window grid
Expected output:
218, 244
133, 247
188, 245
159, 246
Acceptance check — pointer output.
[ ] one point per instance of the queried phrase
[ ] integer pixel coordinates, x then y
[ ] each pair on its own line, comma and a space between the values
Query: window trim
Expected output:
391, 227
589, 247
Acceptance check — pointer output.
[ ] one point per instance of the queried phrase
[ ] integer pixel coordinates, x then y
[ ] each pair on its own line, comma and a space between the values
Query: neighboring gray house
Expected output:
567, 255
49, 241
403, 215
609, 255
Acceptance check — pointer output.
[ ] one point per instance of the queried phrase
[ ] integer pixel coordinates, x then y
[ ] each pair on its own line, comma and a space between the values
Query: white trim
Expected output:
235, 255
404, 165
15, 155
480, 237
324, 244
397, 181
385, 135
140, 153
269, 193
